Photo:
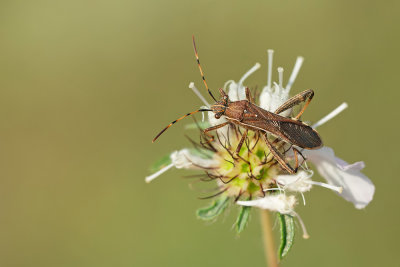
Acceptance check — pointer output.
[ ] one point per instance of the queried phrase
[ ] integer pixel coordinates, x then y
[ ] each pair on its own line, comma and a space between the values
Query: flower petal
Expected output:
357, 188
272, 98
236, 92
187, 160
153, 176
299, 182
266, 98
223, 131
280, 203
184, 159
214, 121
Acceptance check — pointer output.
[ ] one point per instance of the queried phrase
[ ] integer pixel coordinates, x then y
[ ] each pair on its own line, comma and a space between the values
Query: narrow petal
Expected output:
273, 96
249, 72
296, 69
237, 91
199, 95
331, 115
227, 83
357, 188
270, 59
280, 78
280, 203
153, 176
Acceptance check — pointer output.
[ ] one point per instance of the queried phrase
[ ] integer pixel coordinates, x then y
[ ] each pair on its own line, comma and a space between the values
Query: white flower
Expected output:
280, 203
301, 182
186, 160
357, 188
236, 91
211, 116
236, 177
273, 96
214, 121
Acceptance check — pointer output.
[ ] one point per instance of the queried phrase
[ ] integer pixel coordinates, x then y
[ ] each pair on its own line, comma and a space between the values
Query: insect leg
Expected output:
306, 95
295, 153
296, 158
212, 128
241, 142
248, 95
278, 156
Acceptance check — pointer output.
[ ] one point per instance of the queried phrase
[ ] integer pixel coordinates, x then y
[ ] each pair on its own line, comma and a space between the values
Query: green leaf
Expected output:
201, 124
241, 221
287, 234
215, 209
161, 163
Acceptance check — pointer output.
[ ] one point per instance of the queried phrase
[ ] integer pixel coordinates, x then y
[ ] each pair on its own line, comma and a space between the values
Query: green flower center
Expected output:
247, 173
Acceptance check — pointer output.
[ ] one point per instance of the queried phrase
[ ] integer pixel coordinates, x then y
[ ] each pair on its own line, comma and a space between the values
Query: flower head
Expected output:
252, 176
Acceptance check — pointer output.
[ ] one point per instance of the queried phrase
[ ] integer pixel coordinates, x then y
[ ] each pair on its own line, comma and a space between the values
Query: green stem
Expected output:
268, 237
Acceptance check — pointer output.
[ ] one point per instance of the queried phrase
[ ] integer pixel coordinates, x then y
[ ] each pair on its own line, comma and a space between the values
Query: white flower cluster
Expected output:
341, 177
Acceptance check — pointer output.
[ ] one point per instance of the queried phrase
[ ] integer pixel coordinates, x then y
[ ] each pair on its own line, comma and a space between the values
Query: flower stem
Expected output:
268, 237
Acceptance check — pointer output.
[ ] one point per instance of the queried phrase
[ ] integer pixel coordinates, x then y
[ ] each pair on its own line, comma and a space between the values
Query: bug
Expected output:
248, 115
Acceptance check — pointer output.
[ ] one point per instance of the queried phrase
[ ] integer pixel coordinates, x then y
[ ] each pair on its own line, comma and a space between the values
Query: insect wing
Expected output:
289, 130
300, 135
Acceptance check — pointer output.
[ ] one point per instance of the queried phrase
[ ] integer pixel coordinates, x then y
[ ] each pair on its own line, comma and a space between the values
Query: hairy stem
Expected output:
268, 237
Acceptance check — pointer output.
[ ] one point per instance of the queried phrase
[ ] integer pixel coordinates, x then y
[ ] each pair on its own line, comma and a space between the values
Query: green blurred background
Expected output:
85, 86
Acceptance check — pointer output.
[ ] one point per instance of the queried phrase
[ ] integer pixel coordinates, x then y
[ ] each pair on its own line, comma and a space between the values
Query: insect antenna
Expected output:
175, 121
201, 70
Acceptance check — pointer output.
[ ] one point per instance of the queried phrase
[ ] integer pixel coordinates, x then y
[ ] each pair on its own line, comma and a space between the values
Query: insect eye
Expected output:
217, 116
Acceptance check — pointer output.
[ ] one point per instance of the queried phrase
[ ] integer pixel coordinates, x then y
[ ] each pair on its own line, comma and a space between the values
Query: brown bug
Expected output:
251, 117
